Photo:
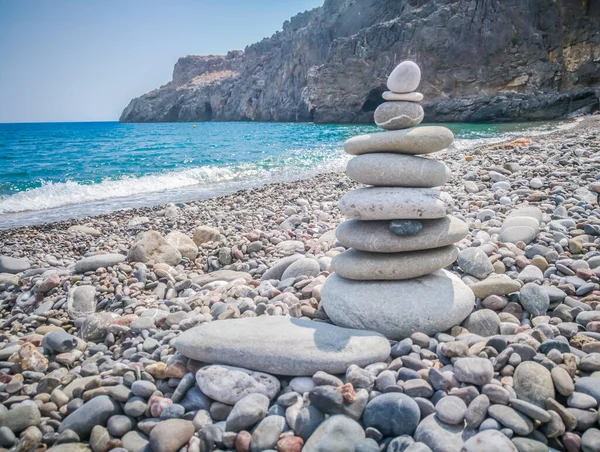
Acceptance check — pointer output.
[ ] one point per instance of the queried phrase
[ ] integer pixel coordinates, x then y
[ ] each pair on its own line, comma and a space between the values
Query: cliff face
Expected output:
481, 60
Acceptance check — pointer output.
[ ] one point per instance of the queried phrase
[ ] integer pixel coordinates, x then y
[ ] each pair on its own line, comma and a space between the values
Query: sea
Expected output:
56, 171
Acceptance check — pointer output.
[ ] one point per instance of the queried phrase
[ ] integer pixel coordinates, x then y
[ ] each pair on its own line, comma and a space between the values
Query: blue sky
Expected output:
83, 60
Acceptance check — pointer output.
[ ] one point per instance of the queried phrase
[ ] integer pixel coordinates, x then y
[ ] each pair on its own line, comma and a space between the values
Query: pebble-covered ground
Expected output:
86, 328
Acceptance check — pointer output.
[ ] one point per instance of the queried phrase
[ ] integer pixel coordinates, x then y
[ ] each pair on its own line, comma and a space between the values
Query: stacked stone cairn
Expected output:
392, 279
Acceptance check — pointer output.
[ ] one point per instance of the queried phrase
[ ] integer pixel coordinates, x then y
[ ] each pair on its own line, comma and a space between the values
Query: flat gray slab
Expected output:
282, 345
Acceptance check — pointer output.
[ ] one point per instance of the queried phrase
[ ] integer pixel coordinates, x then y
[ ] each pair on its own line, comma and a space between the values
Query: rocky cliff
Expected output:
482, 60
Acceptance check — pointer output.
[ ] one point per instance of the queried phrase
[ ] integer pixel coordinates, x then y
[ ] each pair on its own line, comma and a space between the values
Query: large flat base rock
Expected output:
376, 237
396, 309
282, 345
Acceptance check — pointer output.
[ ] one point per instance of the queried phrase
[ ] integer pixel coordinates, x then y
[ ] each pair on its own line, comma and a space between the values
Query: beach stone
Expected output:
405, 77
377, 236
489, 441
276, 271
521, 225
20, 418
95, 326
7, 278
134, 441
7, 437
394, 203
182, 243
266, 434
247, 412
495, 285
397, 170
96, 411
93, 263
398, 115
417, 140
220, 275
507, 416
60, 341
229, 384
531, 410
255, 343
443, 301
13, 265
533, 383
590, 440
562, 381
393, 414
302, 267
362, 265
477, 411
451, 410
534, 299
73, 447
85, 230
338, 432
151, 246
170, 435
206, 234
119, 425
589, 386
440, 436
478, 371
81, 301
409, 97
483, 322
474, 261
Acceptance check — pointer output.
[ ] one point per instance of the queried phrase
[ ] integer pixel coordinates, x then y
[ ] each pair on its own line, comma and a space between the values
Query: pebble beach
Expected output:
98, 314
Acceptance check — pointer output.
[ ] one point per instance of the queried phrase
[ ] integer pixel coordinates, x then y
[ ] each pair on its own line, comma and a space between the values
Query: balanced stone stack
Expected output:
392, 279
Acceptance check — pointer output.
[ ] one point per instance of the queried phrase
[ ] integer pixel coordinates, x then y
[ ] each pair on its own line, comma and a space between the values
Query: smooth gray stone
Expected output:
13, 265
220, 275
533, 383
409, 97
247, 412
489, 441
534, 299
509, 417
282, 345
483, 322
302, 267
397, 170
60, 341
428, 304
93, 263
521, 225
376, 236
396, 115
19, 418
394, 203
475, 370
96, 411
365, 266
276, 271
442, 437
393, 414
266, 434
589, 386
475, 262
416, 140
337, 433
81, 301
405, 77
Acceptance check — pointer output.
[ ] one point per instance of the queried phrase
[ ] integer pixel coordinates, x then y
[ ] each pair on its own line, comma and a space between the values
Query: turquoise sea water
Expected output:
56, 171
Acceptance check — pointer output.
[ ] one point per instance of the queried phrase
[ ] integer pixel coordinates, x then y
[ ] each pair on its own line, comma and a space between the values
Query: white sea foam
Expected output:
52, 195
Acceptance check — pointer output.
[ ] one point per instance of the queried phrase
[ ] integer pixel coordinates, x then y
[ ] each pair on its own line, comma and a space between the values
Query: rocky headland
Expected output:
512, 60
127, 331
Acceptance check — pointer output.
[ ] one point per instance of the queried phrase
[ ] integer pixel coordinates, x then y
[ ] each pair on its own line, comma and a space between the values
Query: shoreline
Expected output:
225, 188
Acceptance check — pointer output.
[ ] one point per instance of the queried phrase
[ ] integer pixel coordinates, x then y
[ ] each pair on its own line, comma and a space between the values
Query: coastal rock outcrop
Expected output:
483, 61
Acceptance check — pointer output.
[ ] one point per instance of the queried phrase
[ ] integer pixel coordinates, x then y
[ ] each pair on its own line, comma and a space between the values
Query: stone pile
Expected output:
391, 280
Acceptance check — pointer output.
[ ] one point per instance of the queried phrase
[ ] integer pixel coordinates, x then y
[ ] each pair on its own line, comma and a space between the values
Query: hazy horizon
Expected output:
72, 61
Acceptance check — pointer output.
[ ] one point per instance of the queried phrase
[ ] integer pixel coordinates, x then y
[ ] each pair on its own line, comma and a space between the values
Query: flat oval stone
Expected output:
365, 266
416, 140
398, 115
375, 236
394, 203
428, 304
397, 170
404, 78
409, 97
282, 345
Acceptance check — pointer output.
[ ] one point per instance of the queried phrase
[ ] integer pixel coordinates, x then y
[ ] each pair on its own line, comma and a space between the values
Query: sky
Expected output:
84, 60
